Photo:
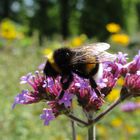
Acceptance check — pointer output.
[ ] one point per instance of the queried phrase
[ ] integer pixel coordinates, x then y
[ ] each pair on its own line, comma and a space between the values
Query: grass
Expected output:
24, 123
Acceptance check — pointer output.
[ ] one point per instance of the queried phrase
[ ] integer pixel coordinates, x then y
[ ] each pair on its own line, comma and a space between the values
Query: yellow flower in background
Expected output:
130, 129
78, 41
122, 39
8, 34
113, 27
8, 30
117, 122
47, 52
115, 93
102, 130
79, 137
120, 81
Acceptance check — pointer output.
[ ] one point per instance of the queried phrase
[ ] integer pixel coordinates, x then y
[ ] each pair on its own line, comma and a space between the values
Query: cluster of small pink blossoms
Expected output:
130, 106
48, 89
132, 75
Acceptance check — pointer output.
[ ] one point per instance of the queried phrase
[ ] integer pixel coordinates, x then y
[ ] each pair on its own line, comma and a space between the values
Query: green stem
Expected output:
77, 120
90, 132
91, 128
73, 130
118, 101
94, 132
110, 108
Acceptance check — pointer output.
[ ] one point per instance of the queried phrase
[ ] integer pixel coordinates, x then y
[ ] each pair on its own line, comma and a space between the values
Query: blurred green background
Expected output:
31, 29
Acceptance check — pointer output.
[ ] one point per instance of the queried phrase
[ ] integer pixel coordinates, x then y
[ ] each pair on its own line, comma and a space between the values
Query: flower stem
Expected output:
110, 108
73, 130
107, 110
94, 132
77, 119
90, 133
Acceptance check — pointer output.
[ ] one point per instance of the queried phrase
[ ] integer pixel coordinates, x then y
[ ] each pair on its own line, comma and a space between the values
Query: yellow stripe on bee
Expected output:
53, 64
90, 67
50, 57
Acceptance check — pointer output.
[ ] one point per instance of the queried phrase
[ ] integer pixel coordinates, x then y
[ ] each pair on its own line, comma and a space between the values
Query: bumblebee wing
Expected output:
90, 53
96, 47
105, 56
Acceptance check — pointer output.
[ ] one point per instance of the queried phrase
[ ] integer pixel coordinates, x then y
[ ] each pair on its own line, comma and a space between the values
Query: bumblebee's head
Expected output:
62, 57
58, 62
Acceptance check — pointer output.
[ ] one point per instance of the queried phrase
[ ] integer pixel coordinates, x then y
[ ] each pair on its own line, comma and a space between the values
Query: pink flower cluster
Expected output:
130, 106
48, 89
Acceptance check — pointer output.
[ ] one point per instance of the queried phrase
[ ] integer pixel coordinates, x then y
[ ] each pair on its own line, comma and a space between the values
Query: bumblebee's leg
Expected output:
65, 81
94, 86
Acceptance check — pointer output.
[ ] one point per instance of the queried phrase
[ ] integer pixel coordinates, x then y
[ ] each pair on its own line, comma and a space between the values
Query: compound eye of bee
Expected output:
67, 55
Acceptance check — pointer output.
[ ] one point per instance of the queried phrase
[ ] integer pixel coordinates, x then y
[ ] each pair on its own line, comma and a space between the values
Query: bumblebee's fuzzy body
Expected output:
60, 63
85, 62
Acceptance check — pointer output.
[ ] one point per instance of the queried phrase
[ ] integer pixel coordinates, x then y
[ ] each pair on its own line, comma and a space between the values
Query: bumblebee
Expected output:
84, 61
